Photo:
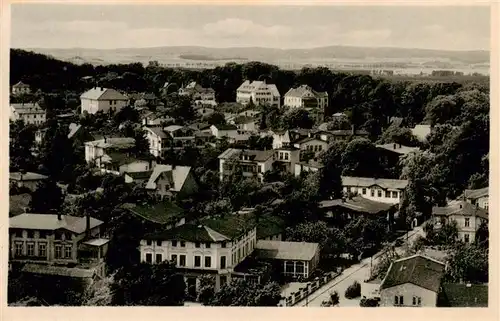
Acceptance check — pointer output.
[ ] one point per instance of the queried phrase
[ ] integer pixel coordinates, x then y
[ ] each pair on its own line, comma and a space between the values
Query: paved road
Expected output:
358, 272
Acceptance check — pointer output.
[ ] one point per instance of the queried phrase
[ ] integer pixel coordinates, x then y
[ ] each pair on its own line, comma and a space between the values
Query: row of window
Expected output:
283, 156
379, 192
243, 251
31, 234
60, 251
175, 243
315, 148
399, 300
34, 116
181, 260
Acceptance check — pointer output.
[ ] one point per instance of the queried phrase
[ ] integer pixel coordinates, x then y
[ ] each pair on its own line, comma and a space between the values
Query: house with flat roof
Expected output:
259, 93
467, 216
102, 99
57, 244
413, 281
293, 259
29, 113
251, 163
382, 190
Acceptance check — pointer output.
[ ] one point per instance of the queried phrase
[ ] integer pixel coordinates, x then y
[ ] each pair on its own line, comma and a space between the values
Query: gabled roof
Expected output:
172, 128
258, 85
359, 204
476, 193
158, 131
99, 93
278, 250
225, 127
114, 142
398, 148
369, 181
28, 176
305, 90
309, 139
140, 175
178, 176
51, 222
73, 129
120, 158
418, 270
254, 155
20, 84
27, 108
460, 208
164, 212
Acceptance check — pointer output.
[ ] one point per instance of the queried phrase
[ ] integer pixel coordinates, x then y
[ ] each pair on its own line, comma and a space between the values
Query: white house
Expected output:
228, 130
478, 197
246, 123
376, 189
310, 166
253, 163
20, 88
200, 96
311, 144
421, 131
95, 150
30, 113
309, 99
258, 92
213, 246
28, 180
413, 281
158, 140
102, 99
167, 181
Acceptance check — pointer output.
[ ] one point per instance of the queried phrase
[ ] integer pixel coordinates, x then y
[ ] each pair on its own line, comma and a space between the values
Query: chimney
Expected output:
394, 146
104, 138
59, 216
399, 145
87, 225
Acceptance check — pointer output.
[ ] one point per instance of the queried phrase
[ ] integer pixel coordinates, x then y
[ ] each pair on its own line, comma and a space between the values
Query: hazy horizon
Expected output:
111, 27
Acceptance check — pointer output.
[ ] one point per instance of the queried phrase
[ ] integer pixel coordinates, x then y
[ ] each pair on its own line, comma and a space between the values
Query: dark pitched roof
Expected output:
460, 208
464, 295
52, 222
163, 212
28, 176
140, 175
279, 250
359, 204
418, 270
225, 127
253, 155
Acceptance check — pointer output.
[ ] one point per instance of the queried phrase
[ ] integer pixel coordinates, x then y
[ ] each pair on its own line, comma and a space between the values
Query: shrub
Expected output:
353, 291
334, 298
370, 302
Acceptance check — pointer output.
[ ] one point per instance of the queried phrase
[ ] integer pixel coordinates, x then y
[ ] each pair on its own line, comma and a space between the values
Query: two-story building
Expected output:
155, 119
95, 150
30, 113
413, 281
468, 217
20, 89
57, 244
259, 93
311, 145
181, 136
158, 139
201, 96
102, 99
251, 163
213, 246
224, 130
376, 189
169, 181
286, 158
309, 99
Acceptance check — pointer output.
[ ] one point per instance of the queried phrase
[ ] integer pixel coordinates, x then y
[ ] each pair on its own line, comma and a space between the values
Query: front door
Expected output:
191, 286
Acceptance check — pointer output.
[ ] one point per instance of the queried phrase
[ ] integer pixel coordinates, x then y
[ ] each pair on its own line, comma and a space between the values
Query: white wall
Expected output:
92, 106
376, 190
408, 291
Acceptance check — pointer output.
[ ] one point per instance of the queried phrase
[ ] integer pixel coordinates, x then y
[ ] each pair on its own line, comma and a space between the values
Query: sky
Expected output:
133, 26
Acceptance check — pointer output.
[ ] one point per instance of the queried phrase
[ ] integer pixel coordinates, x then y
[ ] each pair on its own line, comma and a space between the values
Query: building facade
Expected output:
259, 93
102, 99
251, 163
307, 98
30, 113
383, 190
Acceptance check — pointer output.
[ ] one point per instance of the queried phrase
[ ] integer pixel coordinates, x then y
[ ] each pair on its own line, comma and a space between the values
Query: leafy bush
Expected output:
353, 291
368, 302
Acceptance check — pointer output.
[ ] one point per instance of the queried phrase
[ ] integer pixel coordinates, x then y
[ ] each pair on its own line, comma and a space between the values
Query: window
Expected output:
208, 261
174, 243
197, 261
207, 245
394, 194
467, 222
299, 267
68, 252
158, 243
30, 249
223, 280
398, 300
286, 156
42, 249
19, 248
466, 238
372, 192
289, 267
182, 260
31, 234
222, 262
159, 258
58, 253
363, 191
183, 244
379, 193
174, 258
223, 245
417, 301
197, 244
387, 194
42, 235
149, 257
149, 242
18, 233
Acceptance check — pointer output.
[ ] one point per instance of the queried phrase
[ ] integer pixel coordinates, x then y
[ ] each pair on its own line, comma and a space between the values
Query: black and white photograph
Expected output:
248, 155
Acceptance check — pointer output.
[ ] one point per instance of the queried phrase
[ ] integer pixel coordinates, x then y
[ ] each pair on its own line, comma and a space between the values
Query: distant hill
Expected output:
269, 55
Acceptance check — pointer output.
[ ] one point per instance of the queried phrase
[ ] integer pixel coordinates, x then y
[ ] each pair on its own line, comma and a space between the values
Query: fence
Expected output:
308, 289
